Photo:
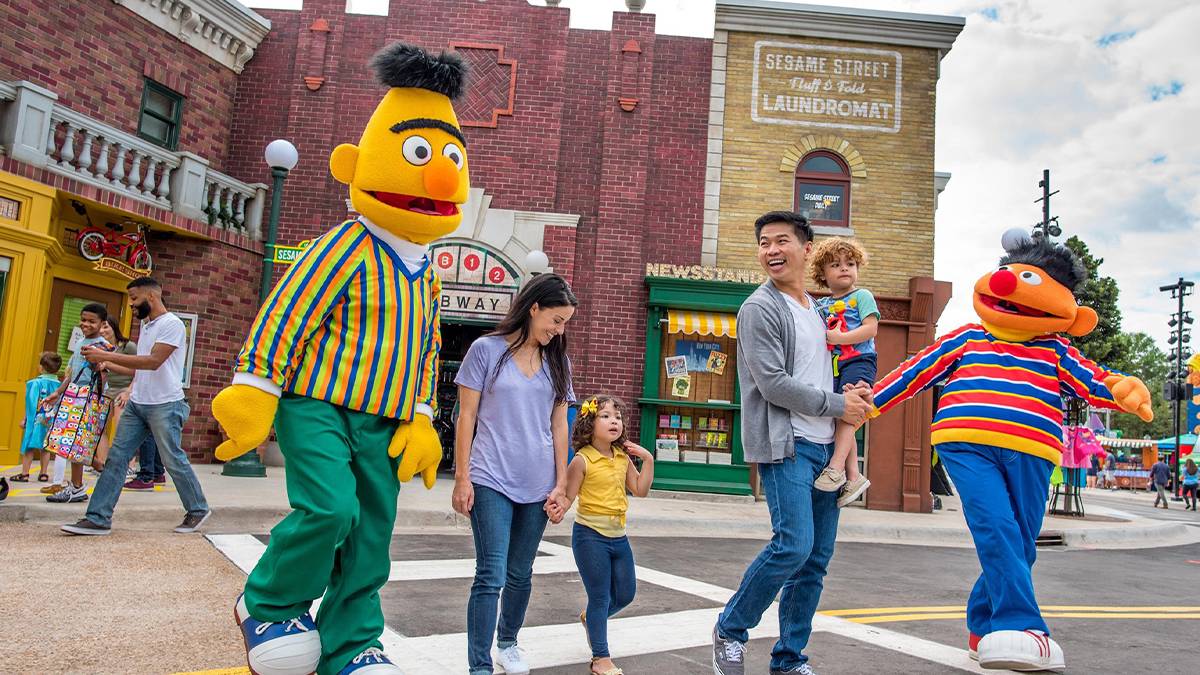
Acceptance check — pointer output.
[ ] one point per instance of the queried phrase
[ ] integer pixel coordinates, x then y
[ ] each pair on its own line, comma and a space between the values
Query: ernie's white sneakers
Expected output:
1021, 650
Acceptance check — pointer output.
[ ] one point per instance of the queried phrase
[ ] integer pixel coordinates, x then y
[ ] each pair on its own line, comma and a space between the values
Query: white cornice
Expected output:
224, 30
839, 23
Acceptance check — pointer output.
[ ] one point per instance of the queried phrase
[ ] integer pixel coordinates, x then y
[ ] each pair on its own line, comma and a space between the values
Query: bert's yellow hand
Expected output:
1131, 394
421, 449
246, 414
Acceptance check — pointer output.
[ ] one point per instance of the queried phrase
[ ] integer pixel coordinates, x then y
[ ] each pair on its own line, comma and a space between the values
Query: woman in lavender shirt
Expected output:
510, 454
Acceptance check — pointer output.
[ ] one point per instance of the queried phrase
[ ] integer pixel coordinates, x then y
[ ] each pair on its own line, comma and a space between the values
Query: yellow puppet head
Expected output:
408, 174
1193, 366
1032, 293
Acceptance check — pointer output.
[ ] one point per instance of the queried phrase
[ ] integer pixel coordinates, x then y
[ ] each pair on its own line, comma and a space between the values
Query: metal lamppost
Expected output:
281, 156
1176, 387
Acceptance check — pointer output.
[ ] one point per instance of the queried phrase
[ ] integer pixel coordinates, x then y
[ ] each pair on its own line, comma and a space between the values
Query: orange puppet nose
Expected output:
441, 178
1003, 283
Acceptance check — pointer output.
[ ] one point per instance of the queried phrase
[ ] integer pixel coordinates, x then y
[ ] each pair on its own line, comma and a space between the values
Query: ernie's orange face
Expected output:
1025, 299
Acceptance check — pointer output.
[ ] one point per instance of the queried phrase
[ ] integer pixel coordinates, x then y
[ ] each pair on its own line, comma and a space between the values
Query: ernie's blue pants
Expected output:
1003, 498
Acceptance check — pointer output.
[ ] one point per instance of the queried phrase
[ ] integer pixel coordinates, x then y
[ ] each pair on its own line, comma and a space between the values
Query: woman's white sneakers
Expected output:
512, 661
1020, 650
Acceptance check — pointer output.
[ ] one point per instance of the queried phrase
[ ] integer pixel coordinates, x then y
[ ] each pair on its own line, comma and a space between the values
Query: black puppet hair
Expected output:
1055, 259
404, 65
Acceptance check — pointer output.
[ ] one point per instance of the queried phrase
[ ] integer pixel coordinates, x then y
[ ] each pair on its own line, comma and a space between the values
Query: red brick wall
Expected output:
93, 55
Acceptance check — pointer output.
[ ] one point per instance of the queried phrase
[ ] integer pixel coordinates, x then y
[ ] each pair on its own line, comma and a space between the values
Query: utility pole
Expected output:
1175, 388
1049, 226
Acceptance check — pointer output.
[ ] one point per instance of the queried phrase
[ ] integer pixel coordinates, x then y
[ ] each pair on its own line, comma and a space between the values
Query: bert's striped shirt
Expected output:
1005, 394
351, 325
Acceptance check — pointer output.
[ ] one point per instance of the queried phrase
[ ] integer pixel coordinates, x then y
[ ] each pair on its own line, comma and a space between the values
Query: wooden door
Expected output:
66, 299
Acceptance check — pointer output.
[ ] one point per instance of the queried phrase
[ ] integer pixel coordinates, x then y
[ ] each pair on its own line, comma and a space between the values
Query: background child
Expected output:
853, 320
78, 370
599, 474
34, 423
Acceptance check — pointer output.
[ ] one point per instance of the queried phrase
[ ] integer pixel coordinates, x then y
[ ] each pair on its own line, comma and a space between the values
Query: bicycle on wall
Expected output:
112, 241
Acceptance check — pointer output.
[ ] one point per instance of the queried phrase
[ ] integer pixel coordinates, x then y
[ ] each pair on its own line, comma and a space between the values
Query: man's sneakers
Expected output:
70, 494
802, 669
138, 485
512, 660
291, 647
973, 646
1020, 650
830, 480
852, 490
370, 662
192, 522
85, 527
729, 656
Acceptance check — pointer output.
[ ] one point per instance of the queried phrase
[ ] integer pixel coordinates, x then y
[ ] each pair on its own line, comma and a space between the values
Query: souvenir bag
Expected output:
79, 420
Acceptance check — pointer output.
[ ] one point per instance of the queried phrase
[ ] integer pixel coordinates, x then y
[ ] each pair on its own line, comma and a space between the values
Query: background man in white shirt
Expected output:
156, 406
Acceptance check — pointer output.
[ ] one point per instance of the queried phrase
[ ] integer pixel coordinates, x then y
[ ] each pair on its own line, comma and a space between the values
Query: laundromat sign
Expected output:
477, 283
820, 86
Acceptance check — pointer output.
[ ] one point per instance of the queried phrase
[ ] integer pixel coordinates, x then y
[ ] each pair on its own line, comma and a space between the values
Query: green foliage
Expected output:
1103, 344
1138, 355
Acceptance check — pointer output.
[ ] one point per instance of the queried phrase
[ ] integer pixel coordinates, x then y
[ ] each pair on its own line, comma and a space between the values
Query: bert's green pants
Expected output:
342, 487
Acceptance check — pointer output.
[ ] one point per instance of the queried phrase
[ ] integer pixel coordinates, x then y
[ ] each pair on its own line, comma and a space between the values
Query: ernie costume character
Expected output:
999, 430
343, 360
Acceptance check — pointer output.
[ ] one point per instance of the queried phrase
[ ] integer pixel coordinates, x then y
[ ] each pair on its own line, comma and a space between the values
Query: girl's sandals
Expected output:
42, 477
611, 671
20, 478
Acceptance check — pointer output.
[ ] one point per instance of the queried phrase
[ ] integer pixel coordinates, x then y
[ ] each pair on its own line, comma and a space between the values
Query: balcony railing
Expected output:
39, 131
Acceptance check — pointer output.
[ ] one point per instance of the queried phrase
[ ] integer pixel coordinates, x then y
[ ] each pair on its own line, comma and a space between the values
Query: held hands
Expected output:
421, 449
557, 504
245, 414
1131, 394
858, 404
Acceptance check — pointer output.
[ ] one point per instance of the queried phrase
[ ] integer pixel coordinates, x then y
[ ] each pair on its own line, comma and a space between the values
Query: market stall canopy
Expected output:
701, 323
1127, 442
1186, 440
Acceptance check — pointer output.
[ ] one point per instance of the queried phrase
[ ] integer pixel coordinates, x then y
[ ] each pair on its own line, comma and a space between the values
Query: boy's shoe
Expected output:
139, 485
53, 489
371, 662
973, 646
729, 656
85, 527
830, 480
291, 647
512, 660
852, 490
70, 494
1020, 650
192, 522
802, 669
160, 479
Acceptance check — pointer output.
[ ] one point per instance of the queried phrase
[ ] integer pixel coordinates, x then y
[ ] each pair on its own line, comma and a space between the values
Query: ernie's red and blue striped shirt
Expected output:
1005, 394
350, 324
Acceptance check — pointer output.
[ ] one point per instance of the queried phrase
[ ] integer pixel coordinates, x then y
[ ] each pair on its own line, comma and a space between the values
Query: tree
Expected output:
1138, 355
1103, 344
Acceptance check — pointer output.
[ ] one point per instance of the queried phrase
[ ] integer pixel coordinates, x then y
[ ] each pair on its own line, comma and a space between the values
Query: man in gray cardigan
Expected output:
788, 412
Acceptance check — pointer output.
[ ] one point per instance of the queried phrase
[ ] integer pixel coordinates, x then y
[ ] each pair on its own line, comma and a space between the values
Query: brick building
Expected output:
635, 161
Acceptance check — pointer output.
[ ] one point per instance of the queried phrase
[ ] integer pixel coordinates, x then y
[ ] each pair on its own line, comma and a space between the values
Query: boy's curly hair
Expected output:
829, 250
585, 422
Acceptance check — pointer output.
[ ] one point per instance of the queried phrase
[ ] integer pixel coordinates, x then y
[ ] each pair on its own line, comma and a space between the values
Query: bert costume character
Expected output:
999, 430
343, 360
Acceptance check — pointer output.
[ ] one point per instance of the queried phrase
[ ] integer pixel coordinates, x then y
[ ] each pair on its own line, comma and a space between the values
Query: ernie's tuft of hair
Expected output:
405, 65
1057, 260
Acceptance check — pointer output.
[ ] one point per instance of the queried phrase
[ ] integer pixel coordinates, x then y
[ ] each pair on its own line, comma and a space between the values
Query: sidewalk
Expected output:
254, 505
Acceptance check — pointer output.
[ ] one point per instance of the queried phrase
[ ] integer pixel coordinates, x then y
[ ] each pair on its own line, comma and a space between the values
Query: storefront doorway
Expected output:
67, 298
456, 339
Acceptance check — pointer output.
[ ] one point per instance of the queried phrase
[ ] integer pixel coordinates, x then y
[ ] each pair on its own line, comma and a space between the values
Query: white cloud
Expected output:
1033, 88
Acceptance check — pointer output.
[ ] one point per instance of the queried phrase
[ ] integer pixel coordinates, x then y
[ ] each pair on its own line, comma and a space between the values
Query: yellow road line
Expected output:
220, 671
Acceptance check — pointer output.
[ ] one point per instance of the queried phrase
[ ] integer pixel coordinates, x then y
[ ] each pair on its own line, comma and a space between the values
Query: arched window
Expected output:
823, 189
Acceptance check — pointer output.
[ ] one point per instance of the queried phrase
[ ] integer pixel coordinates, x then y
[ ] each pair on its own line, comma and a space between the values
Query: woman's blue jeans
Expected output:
606, 567
506, 542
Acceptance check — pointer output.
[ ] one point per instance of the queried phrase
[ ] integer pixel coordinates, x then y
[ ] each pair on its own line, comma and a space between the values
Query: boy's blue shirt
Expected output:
860, 304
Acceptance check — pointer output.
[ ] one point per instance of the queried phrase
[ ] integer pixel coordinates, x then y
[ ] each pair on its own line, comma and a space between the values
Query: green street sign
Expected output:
286, 255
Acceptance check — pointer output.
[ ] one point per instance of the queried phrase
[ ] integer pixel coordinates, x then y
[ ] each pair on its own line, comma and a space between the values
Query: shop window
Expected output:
162, 111
699, 373
823, 189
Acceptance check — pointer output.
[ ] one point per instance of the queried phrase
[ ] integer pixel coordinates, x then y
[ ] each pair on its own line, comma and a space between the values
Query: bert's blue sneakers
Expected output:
291, 647
370, 662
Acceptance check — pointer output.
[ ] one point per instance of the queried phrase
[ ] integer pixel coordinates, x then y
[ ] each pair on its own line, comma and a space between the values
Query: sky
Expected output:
1098, 91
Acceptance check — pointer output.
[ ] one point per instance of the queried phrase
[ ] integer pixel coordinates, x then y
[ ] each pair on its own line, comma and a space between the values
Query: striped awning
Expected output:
1126, 442
701, 323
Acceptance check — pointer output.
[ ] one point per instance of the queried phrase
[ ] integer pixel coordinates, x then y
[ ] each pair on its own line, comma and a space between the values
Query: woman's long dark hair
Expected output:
546, 291
116, 329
